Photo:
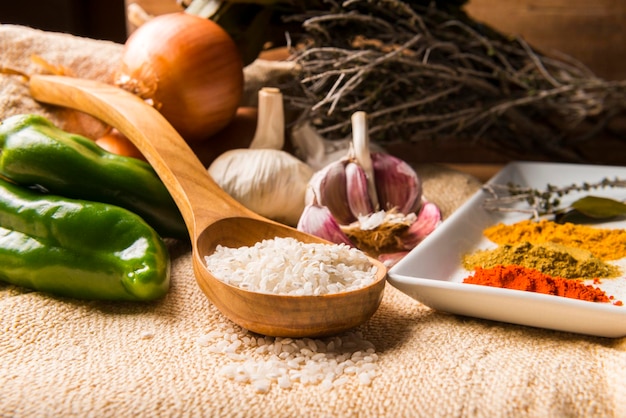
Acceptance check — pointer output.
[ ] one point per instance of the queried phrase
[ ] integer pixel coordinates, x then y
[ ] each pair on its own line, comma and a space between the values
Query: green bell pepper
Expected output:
79, 249
36, 153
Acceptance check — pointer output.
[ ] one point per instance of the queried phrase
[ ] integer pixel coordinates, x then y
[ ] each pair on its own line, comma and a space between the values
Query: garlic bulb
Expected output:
371, 200
264, 178
269, 182
363, 182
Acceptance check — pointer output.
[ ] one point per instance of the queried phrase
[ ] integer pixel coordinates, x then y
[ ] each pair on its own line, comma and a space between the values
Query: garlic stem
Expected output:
308, 145
361, 143
270, 129
136, 15
203, 8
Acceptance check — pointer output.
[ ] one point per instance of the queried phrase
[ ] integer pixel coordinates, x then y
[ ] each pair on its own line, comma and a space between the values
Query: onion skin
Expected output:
189, 68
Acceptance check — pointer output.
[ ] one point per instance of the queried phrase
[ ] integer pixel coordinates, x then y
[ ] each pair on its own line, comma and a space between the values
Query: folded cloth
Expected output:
32, 51
180, 357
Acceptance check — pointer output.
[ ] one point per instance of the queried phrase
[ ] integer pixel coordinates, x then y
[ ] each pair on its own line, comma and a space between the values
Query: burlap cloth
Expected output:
63, 358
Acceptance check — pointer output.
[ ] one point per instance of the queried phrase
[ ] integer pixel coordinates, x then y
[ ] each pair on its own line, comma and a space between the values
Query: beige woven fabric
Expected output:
61, 357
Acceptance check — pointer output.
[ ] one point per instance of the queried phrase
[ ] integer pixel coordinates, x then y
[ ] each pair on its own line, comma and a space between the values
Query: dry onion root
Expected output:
189, 68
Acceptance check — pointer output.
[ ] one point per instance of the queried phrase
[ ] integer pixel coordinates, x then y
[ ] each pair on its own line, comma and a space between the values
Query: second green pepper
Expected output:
79, 249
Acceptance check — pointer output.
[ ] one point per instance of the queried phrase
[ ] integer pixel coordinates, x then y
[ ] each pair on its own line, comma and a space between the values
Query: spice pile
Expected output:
607, 244
550, 258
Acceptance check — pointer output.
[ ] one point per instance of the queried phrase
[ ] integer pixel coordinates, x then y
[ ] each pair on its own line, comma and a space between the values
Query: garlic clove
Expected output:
428, 218
317, 220
357, 190
328, 188
397, 184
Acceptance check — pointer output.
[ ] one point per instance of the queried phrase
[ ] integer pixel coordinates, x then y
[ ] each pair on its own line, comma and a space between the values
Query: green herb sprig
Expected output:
511, 197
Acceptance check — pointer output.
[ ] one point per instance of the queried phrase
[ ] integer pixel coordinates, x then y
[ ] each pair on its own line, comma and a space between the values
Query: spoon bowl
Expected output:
213, 217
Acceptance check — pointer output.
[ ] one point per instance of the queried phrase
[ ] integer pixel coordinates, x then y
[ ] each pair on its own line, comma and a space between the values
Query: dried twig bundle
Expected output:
423, 73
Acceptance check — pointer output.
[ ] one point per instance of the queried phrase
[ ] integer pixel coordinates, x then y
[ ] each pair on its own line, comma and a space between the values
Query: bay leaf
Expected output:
599, 207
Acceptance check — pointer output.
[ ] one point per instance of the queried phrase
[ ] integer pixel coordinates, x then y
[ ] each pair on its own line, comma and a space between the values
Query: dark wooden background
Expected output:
98, 19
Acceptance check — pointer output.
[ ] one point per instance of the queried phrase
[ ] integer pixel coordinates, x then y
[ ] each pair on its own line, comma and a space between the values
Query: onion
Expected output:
189, 68
114, 141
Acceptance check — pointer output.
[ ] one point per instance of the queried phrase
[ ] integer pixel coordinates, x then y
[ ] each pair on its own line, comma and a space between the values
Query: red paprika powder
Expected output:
523, 278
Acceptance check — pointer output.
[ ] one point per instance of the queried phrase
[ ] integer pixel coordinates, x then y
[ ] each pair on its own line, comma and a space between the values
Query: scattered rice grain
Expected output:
262, 385
284, 382
327, 384
365, 379
263, 362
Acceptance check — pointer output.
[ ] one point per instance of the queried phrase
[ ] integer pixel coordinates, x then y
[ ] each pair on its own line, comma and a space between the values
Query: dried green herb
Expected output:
548, 202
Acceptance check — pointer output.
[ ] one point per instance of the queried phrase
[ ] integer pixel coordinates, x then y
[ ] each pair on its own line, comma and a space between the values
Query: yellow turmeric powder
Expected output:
606, 244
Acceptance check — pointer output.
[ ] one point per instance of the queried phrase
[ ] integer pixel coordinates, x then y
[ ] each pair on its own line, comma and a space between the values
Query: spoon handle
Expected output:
200, 200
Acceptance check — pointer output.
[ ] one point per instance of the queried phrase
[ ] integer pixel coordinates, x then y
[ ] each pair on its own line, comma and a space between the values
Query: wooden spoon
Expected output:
213, 217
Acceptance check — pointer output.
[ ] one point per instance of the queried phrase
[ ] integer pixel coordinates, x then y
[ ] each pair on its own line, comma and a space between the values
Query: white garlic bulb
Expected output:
264, 178
269, 182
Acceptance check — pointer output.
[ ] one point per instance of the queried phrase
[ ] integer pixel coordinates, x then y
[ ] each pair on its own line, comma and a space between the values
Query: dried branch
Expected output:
423, 73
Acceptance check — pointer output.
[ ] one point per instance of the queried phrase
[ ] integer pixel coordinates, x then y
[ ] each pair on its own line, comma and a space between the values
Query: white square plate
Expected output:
432, 272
